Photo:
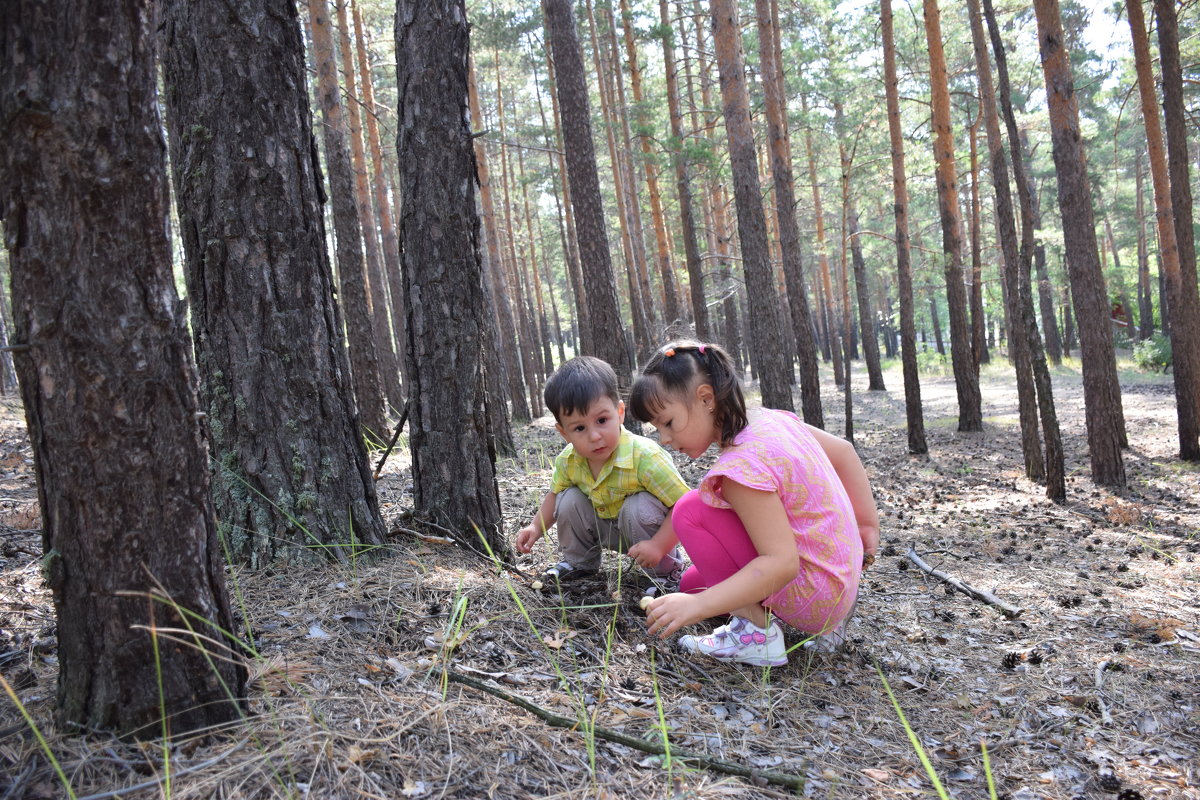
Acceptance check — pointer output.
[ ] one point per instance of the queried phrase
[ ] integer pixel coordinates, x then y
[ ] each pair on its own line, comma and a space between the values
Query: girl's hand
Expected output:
647, 554
667, 614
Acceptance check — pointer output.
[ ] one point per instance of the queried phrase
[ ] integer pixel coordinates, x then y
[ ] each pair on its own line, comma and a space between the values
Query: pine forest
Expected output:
358, 359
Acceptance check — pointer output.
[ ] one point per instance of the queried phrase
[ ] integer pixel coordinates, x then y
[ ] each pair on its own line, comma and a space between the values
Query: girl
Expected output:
779, 526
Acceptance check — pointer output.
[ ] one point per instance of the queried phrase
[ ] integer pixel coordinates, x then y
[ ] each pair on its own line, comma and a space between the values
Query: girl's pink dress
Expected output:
776, 452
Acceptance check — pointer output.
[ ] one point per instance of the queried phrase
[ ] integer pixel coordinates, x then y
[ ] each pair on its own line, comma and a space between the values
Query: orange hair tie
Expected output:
669, 353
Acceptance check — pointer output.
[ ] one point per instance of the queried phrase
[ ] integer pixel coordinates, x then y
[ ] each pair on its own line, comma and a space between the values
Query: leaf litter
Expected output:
1091, 692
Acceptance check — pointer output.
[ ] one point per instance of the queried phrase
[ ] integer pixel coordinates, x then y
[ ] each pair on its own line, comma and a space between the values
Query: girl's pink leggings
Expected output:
715, 540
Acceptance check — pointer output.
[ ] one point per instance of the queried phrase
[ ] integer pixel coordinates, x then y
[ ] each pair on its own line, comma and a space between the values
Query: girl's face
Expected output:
687, 423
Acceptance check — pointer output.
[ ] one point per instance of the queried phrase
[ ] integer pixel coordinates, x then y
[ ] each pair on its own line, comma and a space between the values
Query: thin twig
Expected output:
1010, 611
654, 748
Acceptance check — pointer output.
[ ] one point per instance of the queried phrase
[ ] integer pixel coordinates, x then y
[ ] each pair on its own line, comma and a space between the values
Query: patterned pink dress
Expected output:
777, 453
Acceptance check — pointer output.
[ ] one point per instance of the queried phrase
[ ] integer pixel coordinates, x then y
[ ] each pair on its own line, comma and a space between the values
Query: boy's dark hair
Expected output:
578, 383
673, 371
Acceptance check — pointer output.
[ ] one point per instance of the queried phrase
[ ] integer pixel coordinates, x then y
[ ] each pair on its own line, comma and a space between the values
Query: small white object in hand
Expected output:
645, 602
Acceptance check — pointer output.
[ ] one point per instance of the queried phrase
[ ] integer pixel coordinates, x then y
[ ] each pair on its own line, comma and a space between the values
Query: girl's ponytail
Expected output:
676, 369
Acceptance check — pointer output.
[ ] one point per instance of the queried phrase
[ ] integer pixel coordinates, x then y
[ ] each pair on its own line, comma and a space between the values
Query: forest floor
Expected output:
358, 690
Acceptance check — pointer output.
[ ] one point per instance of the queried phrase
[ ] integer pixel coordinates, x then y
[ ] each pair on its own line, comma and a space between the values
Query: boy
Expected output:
610, 488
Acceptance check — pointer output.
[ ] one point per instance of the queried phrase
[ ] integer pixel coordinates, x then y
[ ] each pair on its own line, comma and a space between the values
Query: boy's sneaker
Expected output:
664, 584
742, 641
562, 572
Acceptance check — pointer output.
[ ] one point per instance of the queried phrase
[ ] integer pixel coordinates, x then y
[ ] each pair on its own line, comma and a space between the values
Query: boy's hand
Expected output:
527, 537
647, 554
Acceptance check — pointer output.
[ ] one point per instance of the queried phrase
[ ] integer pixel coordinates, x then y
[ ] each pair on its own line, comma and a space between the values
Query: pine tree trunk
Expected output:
908, 337
785, 212
356, 308
671, 311
1181, 286
1102, 394
454, 480
978, 323
966, 379
510, 357
1145, 292
683, 183
772, 361
292, 479
631, 245
107, 378
609, 333
389, 370
1055, 470
574, 270
383, 206
832, 345
1018, 343
866, 315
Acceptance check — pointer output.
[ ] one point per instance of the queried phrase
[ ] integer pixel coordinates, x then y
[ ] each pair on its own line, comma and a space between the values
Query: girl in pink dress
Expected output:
778, 529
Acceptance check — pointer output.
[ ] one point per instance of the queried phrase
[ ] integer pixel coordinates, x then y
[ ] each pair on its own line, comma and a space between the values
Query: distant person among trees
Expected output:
610, 488
780, 526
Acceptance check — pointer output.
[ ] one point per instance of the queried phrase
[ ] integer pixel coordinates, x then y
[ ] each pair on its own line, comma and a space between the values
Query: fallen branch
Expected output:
654, 748
1010, 611
1105, 716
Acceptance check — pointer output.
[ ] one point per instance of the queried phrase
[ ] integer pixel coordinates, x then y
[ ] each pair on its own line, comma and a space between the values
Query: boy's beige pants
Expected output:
582, 534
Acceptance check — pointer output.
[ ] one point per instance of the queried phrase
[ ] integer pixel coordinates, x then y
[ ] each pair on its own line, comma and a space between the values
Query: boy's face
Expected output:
596, 432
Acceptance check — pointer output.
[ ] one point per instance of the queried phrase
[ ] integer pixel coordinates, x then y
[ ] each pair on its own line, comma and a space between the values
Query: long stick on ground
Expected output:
1010, 611
655, 748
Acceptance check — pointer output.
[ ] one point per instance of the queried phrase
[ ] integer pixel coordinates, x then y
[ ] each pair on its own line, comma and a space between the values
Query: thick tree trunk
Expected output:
772, 361
683, 183
454, 477
356, 307
966, 378
908, 337
1102, 393
292, 479
609, 341
1181, 286
785, 212
107, 378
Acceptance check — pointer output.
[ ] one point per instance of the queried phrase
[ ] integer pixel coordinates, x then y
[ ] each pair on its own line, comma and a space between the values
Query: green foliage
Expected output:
1153, 353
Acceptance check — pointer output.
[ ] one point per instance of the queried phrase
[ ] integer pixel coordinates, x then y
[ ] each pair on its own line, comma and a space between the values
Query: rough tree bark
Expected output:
1101, 392
291, 473
109, 387
1180, 265
683, 181
360, 332
908, 337
609, 340
771, 359
785, 211
454, 478
966, 379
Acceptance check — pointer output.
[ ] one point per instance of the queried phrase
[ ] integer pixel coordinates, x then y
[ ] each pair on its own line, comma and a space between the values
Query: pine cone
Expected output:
1035, 656
1108, 781
1011, 660
1129, 794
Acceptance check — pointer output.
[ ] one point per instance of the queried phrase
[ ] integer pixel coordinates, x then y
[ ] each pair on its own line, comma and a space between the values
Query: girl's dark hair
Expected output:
676, 369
